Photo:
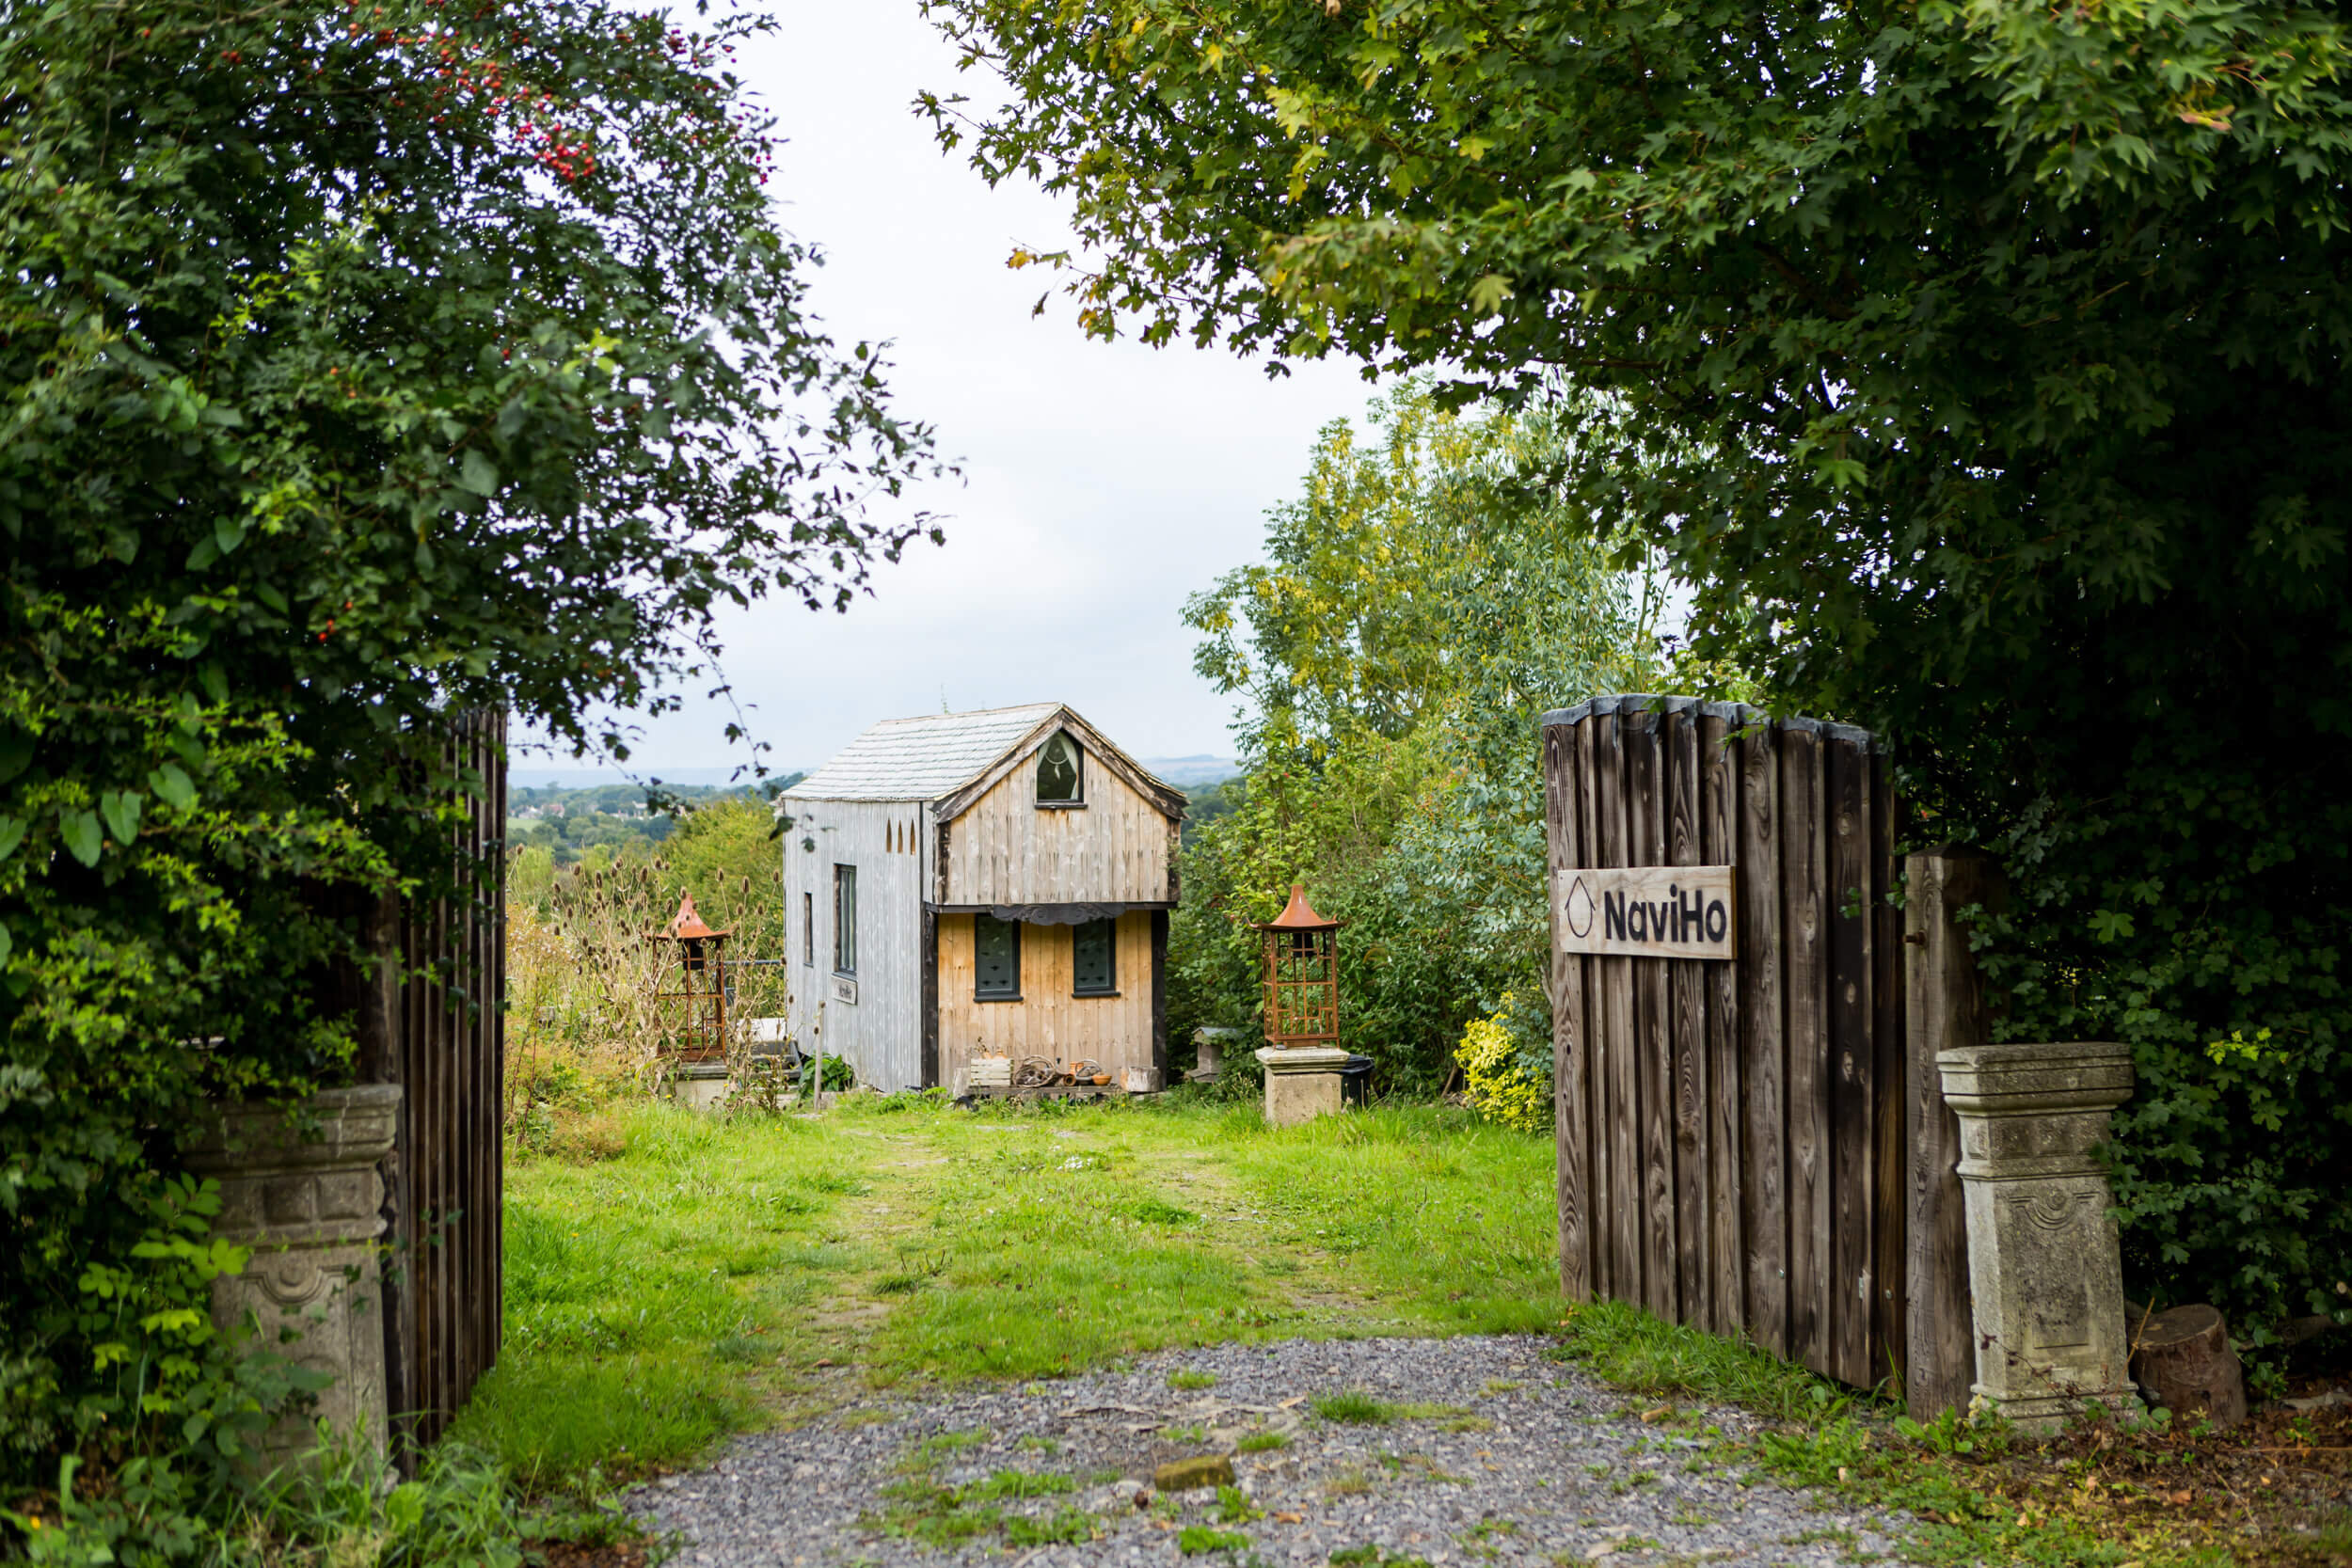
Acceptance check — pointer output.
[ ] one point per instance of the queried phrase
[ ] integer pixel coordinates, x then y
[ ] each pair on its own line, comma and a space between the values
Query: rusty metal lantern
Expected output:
692, 988
1302, 976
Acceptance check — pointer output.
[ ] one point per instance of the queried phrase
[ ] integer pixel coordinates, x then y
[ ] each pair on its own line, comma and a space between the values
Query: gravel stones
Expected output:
1490, 1452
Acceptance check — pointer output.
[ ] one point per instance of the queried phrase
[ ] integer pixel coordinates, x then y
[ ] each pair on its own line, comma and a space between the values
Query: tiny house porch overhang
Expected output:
1049, 914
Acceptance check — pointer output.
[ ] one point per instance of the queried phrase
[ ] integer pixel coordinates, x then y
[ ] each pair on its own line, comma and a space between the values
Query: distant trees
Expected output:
567, 824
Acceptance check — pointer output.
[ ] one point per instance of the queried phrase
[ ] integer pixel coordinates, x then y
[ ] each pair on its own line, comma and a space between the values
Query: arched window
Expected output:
1058, 783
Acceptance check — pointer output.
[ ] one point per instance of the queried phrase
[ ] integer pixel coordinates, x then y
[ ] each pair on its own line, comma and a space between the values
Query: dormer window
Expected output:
1059, 782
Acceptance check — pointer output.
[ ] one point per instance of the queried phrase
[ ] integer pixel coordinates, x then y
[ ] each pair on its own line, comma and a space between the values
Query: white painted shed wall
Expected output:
891, 845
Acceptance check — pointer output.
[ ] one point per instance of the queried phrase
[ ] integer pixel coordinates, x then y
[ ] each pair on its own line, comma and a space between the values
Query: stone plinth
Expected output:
2044, 1265
696, 1085
1302, 1083
310, 1205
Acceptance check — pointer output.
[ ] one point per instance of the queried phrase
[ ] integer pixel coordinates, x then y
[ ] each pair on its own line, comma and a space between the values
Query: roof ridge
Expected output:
963, 713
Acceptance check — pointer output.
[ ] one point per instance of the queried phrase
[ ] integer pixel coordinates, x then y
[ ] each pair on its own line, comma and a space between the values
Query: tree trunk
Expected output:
2183, 1359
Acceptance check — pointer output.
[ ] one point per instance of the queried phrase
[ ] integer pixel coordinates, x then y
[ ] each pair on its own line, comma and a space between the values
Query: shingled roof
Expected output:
933, 755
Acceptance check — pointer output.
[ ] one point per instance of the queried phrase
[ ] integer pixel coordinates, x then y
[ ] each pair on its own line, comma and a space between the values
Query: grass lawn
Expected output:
672, 1278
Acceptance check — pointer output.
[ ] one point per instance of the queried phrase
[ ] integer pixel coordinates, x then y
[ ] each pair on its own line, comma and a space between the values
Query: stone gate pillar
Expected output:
2045, 1263
311, 1207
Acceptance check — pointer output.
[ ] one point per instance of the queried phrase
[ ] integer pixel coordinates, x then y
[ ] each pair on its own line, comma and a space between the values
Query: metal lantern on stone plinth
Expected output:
692, 990
1302, 976
1302, 1058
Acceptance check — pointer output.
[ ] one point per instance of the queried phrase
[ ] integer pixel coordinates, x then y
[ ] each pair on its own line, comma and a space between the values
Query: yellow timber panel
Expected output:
1048, 1022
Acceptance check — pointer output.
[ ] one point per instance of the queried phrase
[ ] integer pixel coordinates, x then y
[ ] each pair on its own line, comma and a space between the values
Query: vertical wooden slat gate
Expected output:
1732, 1151
443, 1290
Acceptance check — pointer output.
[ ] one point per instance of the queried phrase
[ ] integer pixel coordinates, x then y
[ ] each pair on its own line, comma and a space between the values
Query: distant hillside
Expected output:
570, 822
545, 775
1185, 771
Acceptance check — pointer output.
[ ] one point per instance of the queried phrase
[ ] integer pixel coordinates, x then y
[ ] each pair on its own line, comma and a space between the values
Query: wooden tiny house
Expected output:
992, 883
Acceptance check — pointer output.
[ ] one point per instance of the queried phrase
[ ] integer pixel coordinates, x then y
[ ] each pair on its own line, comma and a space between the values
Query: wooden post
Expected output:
1571, 1045
1946, 1010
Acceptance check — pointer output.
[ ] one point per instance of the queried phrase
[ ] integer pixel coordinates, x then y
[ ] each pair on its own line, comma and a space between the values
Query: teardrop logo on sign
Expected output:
1578, 911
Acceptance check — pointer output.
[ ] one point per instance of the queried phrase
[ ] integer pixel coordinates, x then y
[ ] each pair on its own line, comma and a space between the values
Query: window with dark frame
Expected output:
845, 920
1060, 780
808, 929
1094, 958
995, 959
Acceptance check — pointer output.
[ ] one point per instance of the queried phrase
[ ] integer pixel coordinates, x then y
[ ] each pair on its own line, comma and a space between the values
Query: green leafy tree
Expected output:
358, 365
1982, 369
1418, 608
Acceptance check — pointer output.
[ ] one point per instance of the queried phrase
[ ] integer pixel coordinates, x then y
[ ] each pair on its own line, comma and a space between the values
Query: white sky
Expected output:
1103, 482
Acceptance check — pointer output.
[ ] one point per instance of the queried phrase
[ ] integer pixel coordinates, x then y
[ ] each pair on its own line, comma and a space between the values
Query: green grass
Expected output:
1368, 1556
1354, 1406
679, 1278
673, 1278
1196, 1540
646, 1292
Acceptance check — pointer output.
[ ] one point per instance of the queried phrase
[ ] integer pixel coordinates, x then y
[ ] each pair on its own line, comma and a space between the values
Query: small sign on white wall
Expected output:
844, 989
1646, 912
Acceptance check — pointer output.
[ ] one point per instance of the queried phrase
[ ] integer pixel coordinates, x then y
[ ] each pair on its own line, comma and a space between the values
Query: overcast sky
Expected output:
1103, 482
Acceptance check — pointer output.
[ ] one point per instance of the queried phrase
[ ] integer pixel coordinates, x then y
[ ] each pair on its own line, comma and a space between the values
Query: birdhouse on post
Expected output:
1302, 1057
690, 985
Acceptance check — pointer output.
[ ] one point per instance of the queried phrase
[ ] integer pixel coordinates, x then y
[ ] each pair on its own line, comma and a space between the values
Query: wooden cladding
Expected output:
1118, 848
1053, 1018
443, 1288
1731, 1133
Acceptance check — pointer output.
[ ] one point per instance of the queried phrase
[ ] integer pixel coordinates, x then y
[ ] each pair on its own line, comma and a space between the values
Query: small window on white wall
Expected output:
808, 928
845, 920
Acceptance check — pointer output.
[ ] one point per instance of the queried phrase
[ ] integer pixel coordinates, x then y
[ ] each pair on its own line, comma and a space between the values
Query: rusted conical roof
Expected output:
1299, 915
689, 925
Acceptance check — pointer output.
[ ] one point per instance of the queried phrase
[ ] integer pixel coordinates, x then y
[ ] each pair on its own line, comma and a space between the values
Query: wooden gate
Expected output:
1731, 1130
443, 1282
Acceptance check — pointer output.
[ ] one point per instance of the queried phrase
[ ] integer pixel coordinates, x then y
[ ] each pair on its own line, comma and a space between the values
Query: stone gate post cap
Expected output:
2037, 1077
355, 1126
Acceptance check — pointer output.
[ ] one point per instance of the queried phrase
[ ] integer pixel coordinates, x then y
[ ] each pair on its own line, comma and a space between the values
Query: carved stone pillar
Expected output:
2044, 1265
310, 1207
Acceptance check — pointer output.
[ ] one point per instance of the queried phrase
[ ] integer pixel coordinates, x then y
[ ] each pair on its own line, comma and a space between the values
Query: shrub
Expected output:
1508, 1081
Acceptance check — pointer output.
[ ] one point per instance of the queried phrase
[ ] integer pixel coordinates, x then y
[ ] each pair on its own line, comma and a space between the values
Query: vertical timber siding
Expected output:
1115, 1030
1118, 848
443, 1286
1733, 1141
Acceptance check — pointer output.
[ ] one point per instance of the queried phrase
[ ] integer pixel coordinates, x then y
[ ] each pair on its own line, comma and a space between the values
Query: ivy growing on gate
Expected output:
359, 363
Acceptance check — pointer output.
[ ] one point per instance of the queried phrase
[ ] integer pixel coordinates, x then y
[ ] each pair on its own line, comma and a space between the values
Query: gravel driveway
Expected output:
1498, 1455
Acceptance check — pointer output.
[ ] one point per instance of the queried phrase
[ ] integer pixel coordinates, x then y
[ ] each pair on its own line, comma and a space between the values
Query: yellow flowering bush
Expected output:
1502, 1086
